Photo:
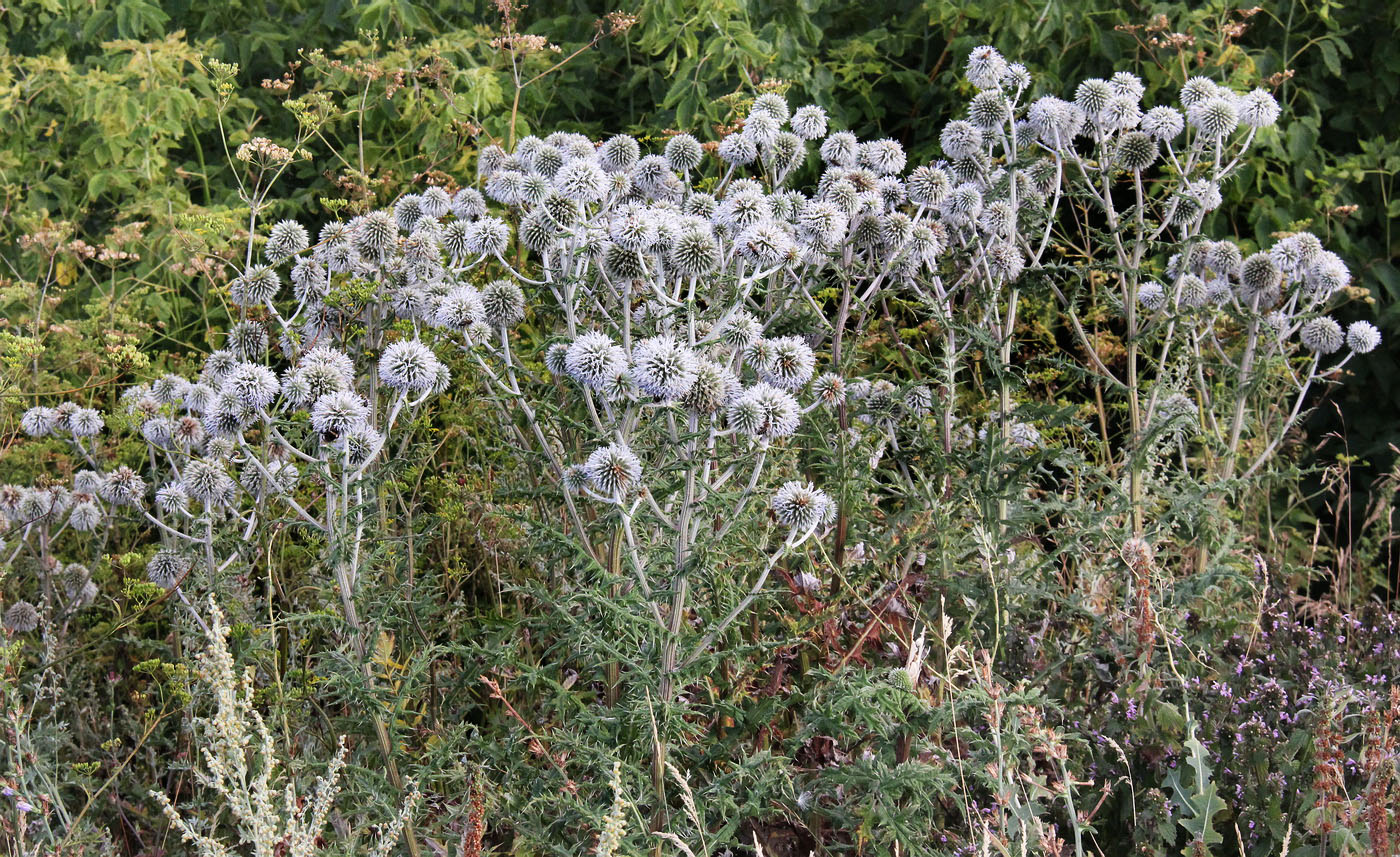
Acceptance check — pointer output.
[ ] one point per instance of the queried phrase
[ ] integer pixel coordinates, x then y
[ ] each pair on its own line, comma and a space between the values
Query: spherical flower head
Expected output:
764, 411
408, 366
986, 67
742, 331
506, 187
407, 211
207, 482
614, 470
374, 233
468, 203
928, 186
663, 368
336, 413
841, 149
918, 400
1151, 296
459, 309
765, 244
829, 389
287, 238
122, 487
1321, 335
885, 157
1136, 151
85, 422
737, 150
1214, 118
1204, 193
801, 507
695, 252
581, 181
1192, 291
1257, 109
788, 363
1121, 114
172, 499
1258, 275
435, 202
1093, 95
1198, 90
166, 568
358, 447
21, 618
809, 122
1163, 124
683, 153
258, 285
1363, 337
554, 358
1326, 276
488, 236
988, 110
85, 517
252, 385
247, 339
38, 421
593, 358
715, 386
619, 153
960, 139
503, 303
1023, 435
1126, 85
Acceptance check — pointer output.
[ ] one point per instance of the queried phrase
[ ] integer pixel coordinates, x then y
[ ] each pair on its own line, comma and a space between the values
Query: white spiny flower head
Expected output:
593, 358
1326, 276
988, 110
1163, 124
619, 153
663, 368
166, 568
408, 366
168, 388
1218, 291
715, 386
1198, 90
435, 202
258, 285
359, 446
1126, 85
506, 187
928, 186
407, 211
918, 400
1363, 337
1257, 109
1136, 151
737, 150
252, 385
20, 618
683, 153
468, 203
554, 357
960, 139
122, 487
841, 149
771, 104
158, 431
614, 470
286, 238
1214, 118
1321, 335
809, 122
1121, 114
986, 68
695, 252
762, 128
581, 181
829, 389
374, 233
460, 308
85, 422
801, 507
1205, 193
1258, 275
38, 421
490, 159
575, 478
84, 482
821, 222
247, 339
742, 208
1151, 296
964, 203
634, 227
778, 412
1192, 292
765, 244
1093, 95
207, 482
339, 412
488, 236
1023, 435
85, 517
885, 157
172, 499
788, 364
503, 302
1005, 261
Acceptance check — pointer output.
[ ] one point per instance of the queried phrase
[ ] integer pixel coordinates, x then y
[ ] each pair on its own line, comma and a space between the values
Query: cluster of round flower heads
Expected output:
67, 419
1289, 283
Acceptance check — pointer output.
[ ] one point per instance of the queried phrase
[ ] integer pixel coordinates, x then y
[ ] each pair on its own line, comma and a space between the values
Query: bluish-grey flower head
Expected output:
695, 252
408, 366
960, 139
619, 153
38, 421
1321, 335
286, 238
841, 149
468, 203
489, 236
503, 303
172, 499
251, 384
663, 368
788, 364
1326, 276
85, 422
1092, 96
85, 516
809, 122
1257, 109
459, 308
1198, 90
765, 244
1163, 124
581, 181
20, 617
207, 482
885, 157
407, 211
1363, 337
683, 153
166, 568
714, 388
248, 339
373, 234
338, 412
122, 487
1192, 292
988, 110
1214, 118
258, 285
1258, 275
614, 470
801, 507
1152, 296
763, 411
593, 358
986, 68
